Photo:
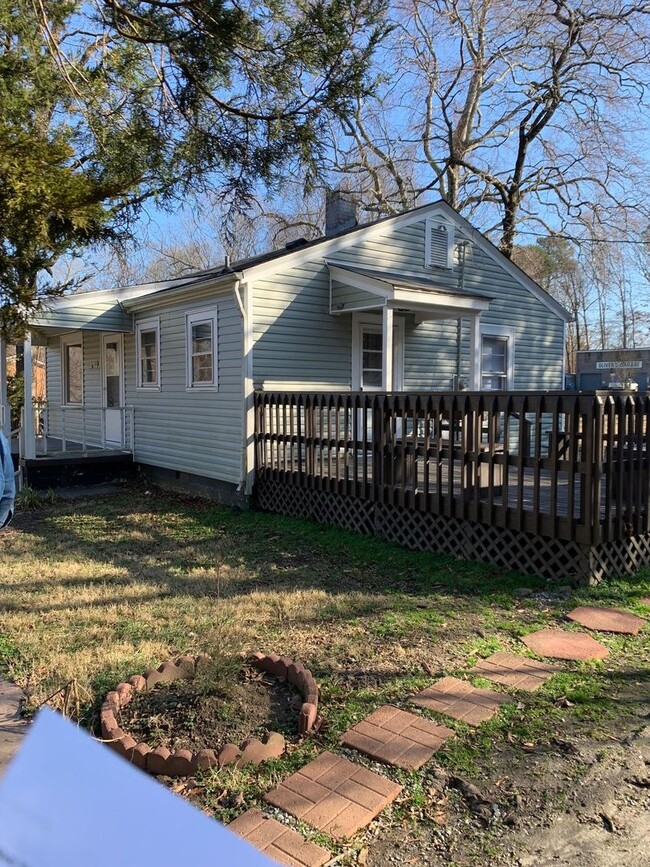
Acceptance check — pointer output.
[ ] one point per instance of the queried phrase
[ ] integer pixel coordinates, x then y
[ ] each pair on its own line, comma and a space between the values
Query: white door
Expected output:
367, 360
113, 389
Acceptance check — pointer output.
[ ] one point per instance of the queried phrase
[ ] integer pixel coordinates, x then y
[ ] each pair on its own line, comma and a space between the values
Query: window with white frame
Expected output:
72, 375
497, 358
439, 244
148, 353
202, 350
371, 358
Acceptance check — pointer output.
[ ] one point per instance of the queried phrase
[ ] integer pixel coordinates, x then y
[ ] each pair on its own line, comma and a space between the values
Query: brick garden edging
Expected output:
180, 763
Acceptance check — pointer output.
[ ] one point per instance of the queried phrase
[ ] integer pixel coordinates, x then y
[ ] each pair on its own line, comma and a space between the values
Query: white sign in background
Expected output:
618, 365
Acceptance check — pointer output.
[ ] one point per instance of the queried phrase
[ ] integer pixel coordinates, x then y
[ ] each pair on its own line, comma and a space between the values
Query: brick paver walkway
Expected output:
460, 700
277, 841
396, 737
518, 672
334, 795
607, 619
559, 644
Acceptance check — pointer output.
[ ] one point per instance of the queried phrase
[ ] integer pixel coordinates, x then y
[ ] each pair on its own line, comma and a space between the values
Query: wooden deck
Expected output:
565, 466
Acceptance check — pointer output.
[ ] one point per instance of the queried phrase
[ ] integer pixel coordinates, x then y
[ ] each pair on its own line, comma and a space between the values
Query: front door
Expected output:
113, 385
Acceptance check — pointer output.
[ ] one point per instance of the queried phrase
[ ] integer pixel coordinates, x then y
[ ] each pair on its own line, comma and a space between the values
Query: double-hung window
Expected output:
72, 370
202, 350
148, 353
497, 358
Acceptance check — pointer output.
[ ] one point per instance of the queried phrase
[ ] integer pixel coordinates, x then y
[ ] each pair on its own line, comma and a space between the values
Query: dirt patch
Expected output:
181, 715
580, 796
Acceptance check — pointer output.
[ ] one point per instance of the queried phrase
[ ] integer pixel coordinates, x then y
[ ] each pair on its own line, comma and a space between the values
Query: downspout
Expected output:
459, 322
248, 408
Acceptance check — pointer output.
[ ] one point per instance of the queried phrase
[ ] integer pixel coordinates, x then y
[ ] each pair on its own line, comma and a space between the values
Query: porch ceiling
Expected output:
377, 289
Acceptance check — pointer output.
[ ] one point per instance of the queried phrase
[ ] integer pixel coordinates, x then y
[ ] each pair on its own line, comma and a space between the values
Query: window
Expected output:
497, 358
148, 352
72, 369
201, 350
439, 244
368, 353
371, 359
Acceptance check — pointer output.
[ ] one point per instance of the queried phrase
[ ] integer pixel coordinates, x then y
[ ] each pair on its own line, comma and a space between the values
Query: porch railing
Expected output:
83, 428
567, 465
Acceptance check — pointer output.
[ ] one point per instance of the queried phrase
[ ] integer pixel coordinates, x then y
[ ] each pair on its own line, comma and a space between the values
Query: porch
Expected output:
547, 483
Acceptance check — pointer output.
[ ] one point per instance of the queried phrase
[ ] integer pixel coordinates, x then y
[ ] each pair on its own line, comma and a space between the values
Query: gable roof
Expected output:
254, 267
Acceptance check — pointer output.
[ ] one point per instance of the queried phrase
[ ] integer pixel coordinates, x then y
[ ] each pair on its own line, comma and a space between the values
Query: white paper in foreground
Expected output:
68, 801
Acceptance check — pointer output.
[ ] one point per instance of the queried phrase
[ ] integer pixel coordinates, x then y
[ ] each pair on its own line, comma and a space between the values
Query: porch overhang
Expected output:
358, 289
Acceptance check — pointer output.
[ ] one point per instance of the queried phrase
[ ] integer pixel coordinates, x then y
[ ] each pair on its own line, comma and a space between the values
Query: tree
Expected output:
553, 263
513, 111
106, 105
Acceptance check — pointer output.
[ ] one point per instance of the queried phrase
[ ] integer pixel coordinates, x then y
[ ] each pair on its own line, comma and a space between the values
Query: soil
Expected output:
582, 798
181, 715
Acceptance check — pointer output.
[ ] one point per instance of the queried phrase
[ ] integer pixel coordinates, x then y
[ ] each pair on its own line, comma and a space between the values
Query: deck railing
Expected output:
82, 428
566, 465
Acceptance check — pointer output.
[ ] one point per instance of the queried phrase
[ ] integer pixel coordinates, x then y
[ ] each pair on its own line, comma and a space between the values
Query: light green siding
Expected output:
298, 341
89, 314
348, 298
192, 431
73, 422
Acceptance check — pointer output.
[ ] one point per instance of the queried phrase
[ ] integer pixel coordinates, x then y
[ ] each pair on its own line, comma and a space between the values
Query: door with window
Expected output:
367, 363
497, 359
113, 389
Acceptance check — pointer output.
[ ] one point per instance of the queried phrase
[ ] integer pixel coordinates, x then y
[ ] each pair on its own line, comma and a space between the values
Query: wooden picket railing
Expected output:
565, 465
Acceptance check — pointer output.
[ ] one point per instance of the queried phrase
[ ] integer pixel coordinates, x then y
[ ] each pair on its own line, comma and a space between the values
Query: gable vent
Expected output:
439, 244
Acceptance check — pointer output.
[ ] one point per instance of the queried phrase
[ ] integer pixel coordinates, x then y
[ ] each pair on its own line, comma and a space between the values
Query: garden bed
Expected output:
169, 721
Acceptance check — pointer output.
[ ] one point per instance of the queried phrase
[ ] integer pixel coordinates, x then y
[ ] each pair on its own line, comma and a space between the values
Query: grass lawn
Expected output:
95, 590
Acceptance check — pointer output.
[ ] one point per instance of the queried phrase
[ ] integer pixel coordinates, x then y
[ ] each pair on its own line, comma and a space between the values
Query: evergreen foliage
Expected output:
106, 105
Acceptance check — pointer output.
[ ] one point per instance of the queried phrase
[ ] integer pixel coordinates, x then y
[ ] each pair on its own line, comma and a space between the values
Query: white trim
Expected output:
199, 288
194, 317
249, 391
113, 337
152, 324
508, 265
387, 349
74, 339
5, 412
475, 353
326, 247
29, 428
503, 331
361, 322
436, 301
430, 224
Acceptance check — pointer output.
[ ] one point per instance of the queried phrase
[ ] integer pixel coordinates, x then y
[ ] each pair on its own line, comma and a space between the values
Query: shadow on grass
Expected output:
165, 540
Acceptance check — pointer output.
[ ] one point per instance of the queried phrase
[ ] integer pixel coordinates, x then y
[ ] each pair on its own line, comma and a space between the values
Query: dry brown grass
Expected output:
95, 590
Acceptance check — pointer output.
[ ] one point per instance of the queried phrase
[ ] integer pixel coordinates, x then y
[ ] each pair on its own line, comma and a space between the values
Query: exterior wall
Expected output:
197, 432
96, 314
297, 341
76, 425
191, 431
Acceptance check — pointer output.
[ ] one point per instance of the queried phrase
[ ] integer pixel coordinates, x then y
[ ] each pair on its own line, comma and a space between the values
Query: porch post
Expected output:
6, 421
387, 348
475, 354
29, 433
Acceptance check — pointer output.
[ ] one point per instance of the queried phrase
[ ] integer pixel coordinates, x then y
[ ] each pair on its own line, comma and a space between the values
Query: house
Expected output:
163, 374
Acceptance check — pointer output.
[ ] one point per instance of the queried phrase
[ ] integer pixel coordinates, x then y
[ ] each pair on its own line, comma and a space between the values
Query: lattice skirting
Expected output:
509, 549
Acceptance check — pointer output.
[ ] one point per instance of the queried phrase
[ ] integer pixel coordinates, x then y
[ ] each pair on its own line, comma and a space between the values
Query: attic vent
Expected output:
439, 244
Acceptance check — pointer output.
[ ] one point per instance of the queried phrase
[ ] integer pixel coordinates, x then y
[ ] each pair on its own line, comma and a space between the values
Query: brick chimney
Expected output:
340, 211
